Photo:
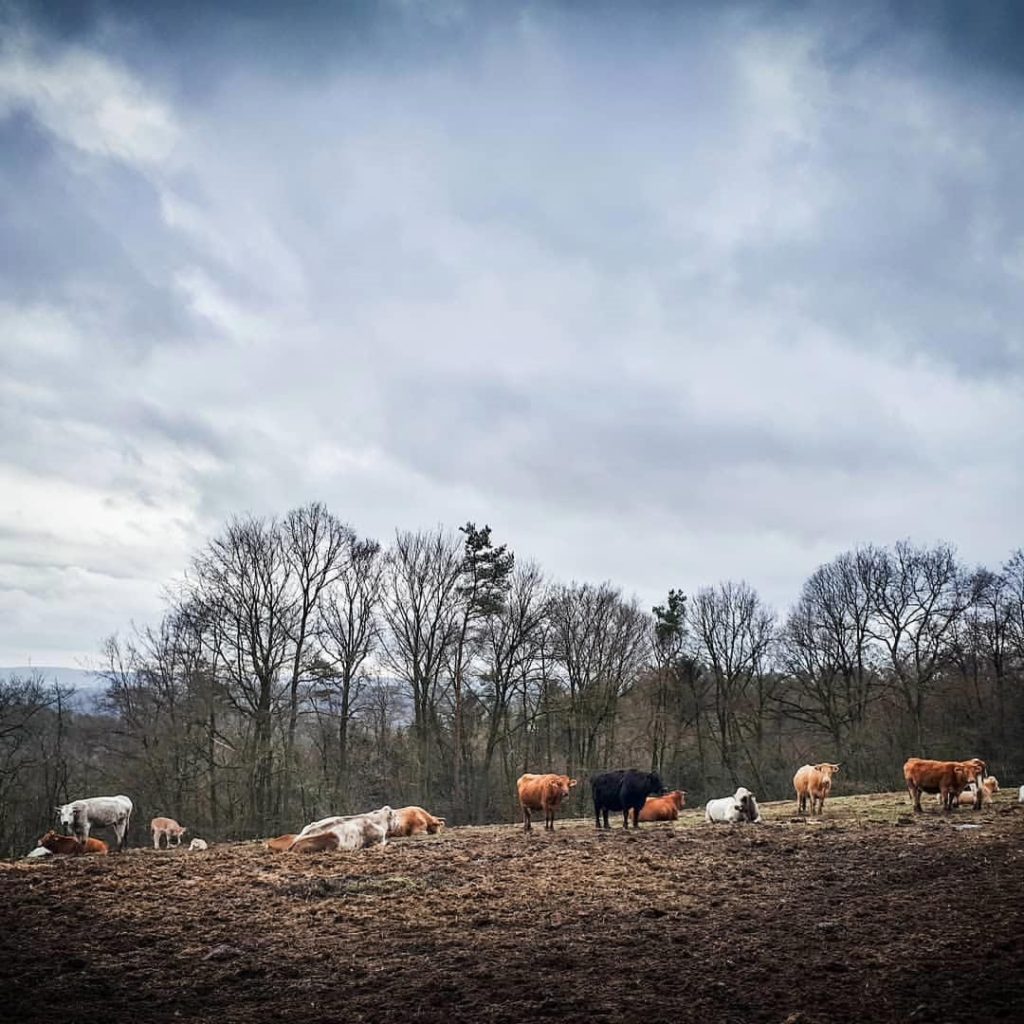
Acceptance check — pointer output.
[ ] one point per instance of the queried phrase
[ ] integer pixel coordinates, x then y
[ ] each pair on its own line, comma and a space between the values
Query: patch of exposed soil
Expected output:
843, 920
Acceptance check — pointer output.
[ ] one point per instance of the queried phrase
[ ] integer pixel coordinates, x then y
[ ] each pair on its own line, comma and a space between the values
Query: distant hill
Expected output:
87, 685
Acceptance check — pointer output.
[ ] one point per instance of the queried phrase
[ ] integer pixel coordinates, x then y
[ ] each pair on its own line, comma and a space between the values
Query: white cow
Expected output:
384, 817
353, 834
741, 806
81, 816
197, 844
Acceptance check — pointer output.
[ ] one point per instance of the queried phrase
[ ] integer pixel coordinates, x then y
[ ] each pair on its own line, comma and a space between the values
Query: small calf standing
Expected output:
741, 806
69, 846
664, 808
197, 844
166, 827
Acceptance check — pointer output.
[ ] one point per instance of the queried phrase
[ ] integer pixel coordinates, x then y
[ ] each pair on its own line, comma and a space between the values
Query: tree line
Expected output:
301, 669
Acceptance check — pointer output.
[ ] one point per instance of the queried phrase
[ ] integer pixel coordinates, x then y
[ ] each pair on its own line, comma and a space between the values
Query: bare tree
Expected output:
733, 634
350, 624
600, 642
420, 610
244, 598
315, 546
918, 597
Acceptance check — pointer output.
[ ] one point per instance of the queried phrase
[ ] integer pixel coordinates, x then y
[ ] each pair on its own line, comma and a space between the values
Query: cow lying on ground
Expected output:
664, 808
989, 787
412, 821
197, 844
623, 790
281, 843
739, 807
348, 835
542, 793
385, 817
166, 829
947, 778
70, 846
813, 782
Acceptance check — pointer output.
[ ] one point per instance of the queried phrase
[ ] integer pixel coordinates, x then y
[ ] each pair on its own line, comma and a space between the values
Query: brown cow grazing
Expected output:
814, 782
947, 778
281, 843
542, 793
166, 828
414, 820
70, 846
663, 808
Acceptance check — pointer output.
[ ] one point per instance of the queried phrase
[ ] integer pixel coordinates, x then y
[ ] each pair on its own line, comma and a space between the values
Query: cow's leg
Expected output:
915, 796
636, 817
527, 825
604, 811
156, 840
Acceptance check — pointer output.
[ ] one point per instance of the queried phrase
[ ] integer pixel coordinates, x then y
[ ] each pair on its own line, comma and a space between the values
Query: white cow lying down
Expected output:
197, 844
741, 806
385, 817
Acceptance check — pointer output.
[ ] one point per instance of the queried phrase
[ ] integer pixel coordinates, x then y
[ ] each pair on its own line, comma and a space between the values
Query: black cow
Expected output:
623, 790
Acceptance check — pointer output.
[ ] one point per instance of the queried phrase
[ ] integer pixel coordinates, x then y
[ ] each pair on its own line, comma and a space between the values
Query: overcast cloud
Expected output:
666, 297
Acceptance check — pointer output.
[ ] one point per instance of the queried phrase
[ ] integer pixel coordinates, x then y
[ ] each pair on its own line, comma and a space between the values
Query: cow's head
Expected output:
66, 814
392, 819
991, 783
678, 798
48, 840
654, 784
745, 801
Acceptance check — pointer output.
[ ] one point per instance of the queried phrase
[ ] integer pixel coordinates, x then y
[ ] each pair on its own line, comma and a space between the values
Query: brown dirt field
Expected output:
868, 915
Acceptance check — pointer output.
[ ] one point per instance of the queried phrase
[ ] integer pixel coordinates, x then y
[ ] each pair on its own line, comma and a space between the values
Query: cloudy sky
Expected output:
666, 295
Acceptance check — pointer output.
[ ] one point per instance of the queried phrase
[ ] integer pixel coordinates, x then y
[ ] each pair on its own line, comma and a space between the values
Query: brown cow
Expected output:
946, 778
281, 843
663, 808
70, 846
414, 820
542, 793
814, 782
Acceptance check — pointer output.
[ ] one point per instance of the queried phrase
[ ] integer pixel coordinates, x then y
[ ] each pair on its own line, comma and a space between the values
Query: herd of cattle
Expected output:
627, 791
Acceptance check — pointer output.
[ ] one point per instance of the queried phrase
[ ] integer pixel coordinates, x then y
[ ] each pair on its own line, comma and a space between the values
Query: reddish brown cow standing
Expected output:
414, 820
542, 793
70, 846
663, 808
947, 778
814, 782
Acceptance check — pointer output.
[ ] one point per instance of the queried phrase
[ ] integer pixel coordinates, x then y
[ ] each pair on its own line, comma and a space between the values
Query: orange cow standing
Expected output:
947, 778
813, 782
664, 808
414, 820
542, 793
70, 846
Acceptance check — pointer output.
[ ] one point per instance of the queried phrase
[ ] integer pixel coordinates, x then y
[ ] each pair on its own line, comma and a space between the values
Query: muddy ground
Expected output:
867, 916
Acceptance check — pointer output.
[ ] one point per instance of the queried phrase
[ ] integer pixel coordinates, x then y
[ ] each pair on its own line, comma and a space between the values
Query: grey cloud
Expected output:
733, 285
